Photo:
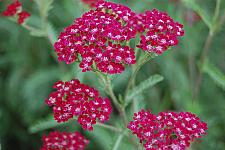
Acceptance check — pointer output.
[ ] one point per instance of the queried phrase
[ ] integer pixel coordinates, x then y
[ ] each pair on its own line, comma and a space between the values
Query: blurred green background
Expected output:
194, 72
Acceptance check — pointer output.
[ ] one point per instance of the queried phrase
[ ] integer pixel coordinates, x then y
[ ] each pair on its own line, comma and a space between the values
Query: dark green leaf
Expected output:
44, 124
201, 12
151, 81
215, 73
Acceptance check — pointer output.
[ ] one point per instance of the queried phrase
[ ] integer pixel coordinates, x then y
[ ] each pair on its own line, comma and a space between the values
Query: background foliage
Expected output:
194, 72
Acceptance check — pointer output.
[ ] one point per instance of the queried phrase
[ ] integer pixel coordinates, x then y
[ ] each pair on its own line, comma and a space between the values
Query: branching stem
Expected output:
110, 127
146, 58
115, 100
118, 141
217, 24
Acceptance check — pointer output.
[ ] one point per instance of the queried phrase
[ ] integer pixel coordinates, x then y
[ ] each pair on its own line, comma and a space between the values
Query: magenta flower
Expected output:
75, 99
64, 141
23, 16
12, 9
15, 9
160, 31
167, 130
98, 39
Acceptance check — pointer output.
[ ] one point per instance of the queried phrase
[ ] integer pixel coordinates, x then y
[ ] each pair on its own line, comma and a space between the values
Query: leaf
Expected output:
38, 33
152, 80
102, 137
140, 103
36, 87
45, 124
215, 73
44, 7
193, 5
52, 33
118, 141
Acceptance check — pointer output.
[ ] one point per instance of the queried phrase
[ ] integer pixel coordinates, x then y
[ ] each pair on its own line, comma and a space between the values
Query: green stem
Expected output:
202, 60
106, 82
115, 100
111, 93
28, 27
146, 58
217, 11
110, 127
220, 23
212, 31
118, 141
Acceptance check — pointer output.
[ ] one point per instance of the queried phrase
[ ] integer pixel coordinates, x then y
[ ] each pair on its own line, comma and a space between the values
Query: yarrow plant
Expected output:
167, 130
15, 9
101, 40
75, 99
64, 141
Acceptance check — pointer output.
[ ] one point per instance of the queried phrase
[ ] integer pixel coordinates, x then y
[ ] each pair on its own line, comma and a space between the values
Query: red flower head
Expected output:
167, 130
99, 37
99, 40
23, 16
91, 3
64, 141
15, 9
160, 31
75, 99
12, 9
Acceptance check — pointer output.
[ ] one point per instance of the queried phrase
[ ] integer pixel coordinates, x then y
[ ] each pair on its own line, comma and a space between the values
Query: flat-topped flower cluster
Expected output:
64, 141
100, 38
75, 99
167, 130
15, 9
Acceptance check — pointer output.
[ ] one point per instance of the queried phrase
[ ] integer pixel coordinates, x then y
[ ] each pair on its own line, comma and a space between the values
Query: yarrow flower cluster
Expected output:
167, 130
99, 37
160, 31
12, 9
15, 9
75, 99
91, 3
22, 16
64, 141
99, 40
